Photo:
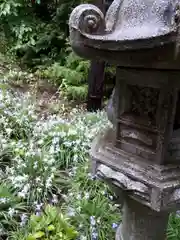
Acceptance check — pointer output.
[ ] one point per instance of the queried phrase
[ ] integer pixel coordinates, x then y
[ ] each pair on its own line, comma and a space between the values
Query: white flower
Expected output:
3, 200
83, 238
78, 196
86, 195
22, 194
39, 206
99, 220
111, 197
79, 209
35, 165
40, 141
92, 221
39, 189
65, 197
55, 199
23, 219
8, 130
38, 179
71, 212
80, 225
48, 182
11, 212
71, 194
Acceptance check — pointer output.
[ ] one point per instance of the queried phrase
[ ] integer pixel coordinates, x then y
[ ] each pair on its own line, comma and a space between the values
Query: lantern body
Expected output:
140, 153
146, 112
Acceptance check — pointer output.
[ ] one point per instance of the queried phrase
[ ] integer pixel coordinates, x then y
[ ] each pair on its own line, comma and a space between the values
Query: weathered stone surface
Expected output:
128, 26
141, 223
156, 186
126, 20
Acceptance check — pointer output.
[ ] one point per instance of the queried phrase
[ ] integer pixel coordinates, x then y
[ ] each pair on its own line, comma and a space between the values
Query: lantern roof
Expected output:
128, 25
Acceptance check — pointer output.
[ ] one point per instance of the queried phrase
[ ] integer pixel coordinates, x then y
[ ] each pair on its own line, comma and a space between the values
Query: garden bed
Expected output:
47, 191
46, 188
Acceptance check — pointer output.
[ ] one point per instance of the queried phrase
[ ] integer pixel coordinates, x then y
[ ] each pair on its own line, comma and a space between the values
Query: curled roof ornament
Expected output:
128, 24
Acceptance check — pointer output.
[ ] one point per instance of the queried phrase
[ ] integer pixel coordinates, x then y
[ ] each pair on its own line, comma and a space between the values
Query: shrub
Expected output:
70, 78
173, 230
51, 224
36, 31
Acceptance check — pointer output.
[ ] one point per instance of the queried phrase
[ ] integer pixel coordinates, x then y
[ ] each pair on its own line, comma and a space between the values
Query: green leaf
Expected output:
39, 234
51, 228
30, 237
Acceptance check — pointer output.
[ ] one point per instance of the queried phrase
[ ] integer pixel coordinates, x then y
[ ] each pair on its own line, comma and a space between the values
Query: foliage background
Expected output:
35, 33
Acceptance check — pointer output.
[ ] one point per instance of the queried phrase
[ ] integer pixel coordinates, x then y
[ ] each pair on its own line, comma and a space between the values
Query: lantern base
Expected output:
141, 223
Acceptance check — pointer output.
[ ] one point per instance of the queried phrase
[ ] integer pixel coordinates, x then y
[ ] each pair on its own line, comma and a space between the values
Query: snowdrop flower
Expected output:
111, 197
21, 194
38, 179
71, 174
9, 131
114, 225
55, 199
98, 220
11, 212
39, 206
3, 200
75, 158
39, 189
86, 195
40, 141
92, 221
71, 212
24, 219
91, 177
78, 196
71, 194
48, 182
83, 238
103, 193
94, 235
178, 213
38, 214
80, 225
79, 209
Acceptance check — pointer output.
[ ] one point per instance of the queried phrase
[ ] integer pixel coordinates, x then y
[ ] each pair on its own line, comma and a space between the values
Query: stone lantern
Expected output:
140, 155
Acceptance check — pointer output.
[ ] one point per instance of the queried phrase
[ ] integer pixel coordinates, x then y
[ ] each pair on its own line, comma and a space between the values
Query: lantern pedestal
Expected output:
141, 223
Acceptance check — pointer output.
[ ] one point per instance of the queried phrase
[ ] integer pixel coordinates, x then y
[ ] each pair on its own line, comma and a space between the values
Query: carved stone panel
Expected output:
144, 101
144, 123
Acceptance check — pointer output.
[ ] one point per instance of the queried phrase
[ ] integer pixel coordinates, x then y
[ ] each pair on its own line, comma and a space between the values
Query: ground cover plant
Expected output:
46, 188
